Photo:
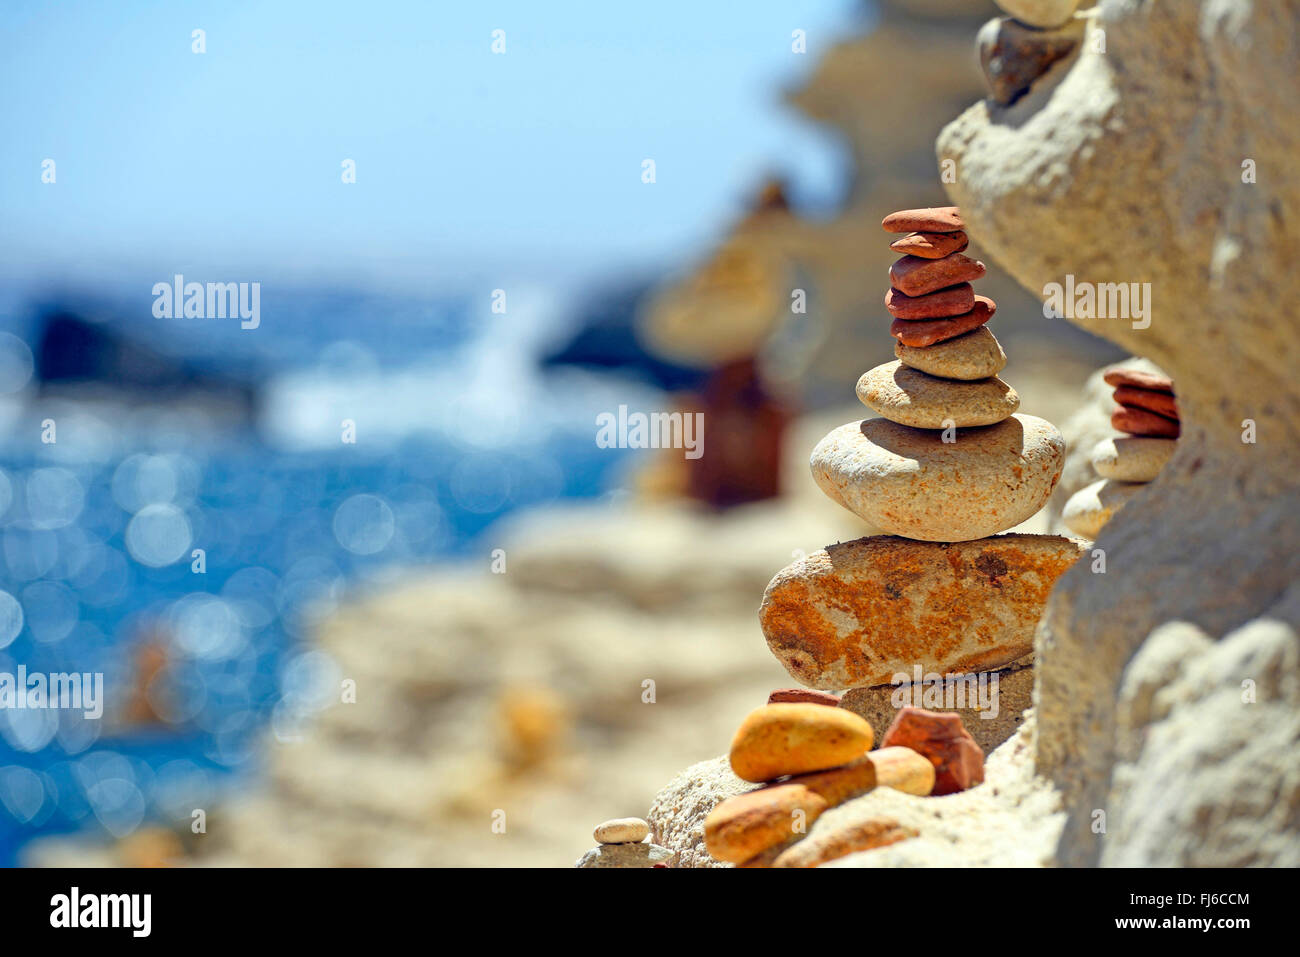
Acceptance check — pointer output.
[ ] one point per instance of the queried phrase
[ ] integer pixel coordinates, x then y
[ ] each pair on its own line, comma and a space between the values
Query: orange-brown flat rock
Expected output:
952, 301
926, 332
914, 276
744, 826
859, 613
1142, 422
803, 696
1139, 380
930, 245
1161, 403
935, 219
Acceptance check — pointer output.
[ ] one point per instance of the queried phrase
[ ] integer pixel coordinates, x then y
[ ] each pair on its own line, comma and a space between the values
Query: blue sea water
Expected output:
454, 429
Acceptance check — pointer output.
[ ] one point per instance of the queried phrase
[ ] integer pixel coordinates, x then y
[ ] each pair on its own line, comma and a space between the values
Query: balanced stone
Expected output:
1090, 508
973, 355
1142, 422
1161, 403
952, 301
908, 397
862, 613
803, 696
1132, 458
934, 219
1013, 55
921, 333
746, 825
780, 739
914, 276
957, 759
930, 245
910, 482
627, 855
1139, 380
622, 830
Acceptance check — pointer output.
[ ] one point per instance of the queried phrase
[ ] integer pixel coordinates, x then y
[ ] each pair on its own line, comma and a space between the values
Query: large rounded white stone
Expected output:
1132, 458
1090, 508
910, 482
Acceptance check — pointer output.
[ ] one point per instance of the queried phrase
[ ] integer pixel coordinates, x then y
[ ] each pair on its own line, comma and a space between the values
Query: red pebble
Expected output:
803, 696
943, 739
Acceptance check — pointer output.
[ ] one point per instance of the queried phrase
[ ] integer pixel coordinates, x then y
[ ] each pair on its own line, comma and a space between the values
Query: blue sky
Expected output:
468, 163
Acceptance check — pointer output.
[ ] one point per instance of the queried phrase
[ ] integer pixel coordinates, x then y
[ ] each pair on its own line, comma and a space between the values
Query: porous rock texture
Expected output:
1132, 165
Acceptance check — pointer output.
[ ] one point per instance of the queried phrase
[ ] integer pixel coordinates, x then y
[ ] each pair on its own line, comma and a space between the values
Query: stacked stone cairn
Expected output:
1147, 413
622, 843
917, 615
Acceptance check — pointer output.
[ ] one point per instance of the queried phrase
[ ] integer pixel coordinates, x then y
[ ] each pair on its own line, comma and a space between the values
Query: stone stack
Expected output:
948, 465
621, 842
1147, 412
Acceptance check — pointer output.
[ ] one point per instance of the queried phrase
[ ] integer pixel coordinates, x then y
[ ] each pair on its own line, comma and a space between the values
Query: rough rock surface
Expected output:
858, 613
625, 855
975, 355
1148, 163
922, 401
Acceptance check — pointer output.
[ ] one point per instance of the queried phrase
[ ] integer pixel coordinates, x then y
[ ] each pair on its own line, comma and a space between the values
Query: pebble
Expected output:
622, 830
1141, 422
626, 855
1132, 458
1139, 380
857, 614
943, 739
973, 355
934, 219
1090, 508
936, 305
780, 739
1012, 55
908, 397
748, 824
803, 696
914, 276
1040, 13
930, 245
1161, 403
910, 482
927, 332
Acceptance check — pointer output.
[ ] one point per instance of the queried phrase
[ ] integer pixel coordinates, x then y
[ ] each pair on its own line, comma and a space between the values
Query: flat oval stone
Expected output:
621, 830
930, 245
933, 219
780, 739
916, 276
910, 482
927, 332
1132, 458
908, 397
744, 826
1161, 403
1144, 422
857, 614
972, 355
1090, 508
1138, 379
952, 301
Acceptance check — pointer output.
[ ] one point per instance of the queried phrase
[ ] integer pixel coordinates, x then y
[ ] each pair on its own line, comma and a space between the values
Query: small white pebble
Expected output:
622, 830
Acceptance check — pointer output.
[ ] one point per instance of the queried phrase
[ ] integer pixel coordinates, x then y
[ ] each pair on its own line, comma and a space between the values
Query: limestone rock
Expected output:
1049, 187
974, 355
909, 482
859, 613
922, 401
625, 855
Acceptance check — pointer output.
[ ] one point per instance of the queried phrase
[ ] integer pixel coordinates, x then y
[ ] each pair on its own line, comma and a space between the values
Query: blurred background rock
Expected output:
499, 589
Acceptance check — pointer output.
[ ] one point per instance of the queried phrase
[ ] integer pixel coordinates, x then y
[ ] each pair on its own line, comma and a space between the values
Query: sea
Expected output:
184, 542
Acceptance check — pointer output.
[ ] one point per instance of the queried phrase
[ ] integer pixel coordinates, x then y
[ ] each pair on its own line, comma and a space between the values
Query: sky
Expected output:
469, 163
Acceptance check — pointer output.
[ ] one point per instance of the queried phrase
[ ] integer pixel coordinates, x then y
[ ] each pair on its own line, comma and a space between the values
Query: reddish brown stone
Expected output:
937, 305
1161, 403
1139, 380
911, 332
1141, 422
943, 739
930, 245
803, 696
914, 276
936, 219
